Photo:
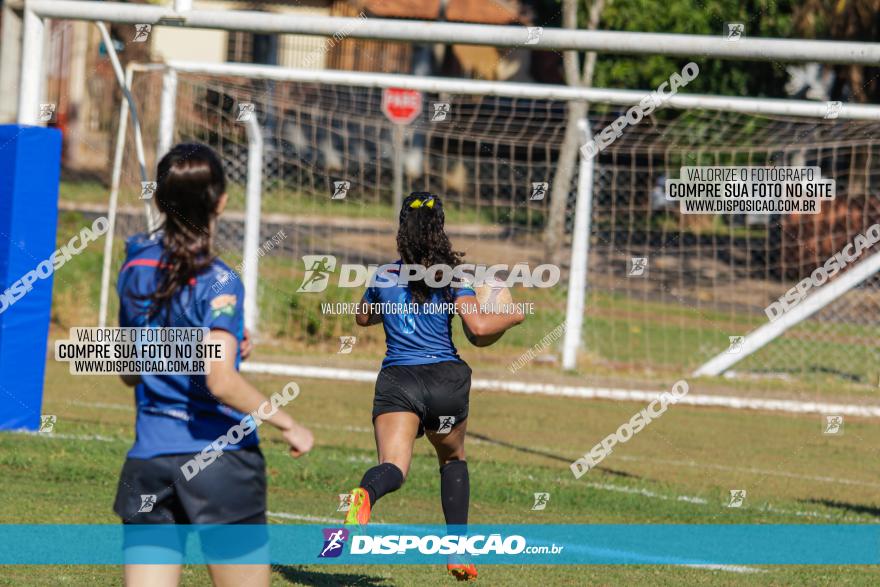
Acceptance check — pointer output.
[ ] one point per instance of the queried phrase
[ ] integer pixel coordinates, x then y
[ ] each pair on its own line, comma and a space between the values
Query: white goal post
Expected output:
36, 11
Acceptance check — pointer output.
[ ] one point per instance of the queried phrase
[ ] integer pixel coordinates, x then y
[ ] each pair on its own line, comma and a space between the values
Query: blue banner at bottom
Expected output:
650, 544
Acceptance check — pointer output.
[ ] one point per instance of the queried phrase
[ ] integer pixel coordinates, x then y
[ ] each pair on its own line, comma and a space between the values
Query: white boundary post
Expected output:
10, 61
152, 220
809, 306
31, 79
167, 113
580, 255
251, 256
115, 180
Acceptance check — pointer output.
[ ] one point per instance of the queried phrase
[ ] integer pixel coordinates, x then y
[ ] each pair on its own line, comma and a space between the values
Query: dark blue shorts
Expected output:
438, 393
231, 490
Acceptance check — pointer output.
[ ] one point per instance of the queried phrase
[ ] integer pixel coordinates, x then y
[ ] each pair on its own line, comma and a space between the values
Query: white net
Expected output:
482, 160
707, 277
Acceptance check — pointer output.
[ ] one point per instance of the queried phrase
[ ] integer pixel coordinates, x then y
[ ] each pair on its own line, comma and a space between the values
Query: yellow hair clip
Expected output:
429, 202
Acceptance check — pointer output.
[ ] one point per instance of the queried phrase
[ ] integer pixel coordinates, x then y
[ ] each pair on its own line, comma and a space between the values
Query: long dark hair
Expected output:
422, 239
189, 186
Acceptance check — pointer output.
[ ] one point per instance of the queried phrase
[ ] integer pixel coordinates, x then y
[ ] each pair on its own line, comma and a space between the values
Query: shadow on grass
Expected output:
854, 508
545, 454
300, 576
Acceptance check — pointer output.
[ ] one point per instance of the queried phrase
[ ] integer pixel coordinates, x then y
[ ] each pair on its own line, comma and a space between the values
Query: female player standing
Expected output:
423, 386
170, 279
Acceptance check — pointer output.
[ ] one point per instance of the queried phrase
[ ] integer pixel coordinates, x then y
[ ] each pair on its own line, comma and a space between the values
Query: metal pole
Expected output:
580, 254
398, 167
29, 90
115, 180
10, 61
167, 113
152, 219
251, 260
613, 42
770, 106
809, 306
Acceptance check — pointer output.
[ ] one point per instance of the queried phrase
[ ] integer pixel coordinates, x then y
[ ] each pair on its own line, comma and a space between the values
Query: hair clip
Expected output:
417, 203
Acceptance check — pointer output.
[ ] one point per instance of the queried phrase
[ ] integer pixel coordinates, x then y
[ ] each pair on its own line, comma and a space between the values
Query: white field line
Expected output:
645, 493
303, 518
751, 470
692, 464
711, 567
702, 501
602, 486
723, 401
103, 405
61, 436
728, 568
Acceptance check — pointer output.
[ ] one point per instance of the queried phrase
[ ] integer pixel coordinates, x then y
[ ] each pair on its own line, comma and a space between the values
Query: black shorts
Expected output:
231, 490
438, 393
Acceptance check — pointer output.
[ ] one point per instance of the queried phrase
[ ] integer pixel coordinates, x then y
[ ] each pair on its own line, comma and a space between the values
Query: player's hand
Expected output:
299, 438
246, 345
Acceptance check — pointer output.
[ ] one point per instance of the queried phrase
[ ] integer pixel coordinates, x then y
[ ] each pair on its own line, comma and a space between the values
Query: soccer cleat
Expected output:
359, 510
462, 572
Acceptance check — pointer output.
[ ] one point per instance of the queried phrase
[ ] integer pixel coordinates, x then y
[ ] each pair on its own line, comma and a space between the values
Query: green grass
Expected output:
519, 445
625, 337
277, 198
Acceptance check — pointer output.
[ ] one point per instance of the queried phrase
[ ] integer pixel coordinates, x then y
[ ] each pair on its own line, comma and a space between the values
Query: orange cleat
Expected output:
359, 511
462, 572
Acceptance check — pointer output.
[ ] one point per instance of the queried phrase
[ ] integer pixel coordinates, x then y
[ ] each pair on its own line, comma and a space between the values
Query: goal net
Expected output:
666, 291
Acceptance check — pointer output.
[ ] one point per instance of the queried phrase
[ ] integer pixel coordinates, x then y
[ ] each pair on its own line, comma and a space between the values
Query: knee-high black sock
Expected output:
382, 479
455, 492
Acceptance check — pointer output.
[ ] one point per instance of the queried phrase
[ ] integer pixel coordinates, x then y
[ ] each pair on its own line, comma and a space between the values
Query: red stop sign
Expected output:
401, 106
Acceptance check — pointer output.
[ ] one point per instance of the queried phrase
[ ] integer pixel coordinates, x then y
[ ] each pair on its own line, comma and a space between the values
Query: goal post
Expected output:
711, 275
339, 82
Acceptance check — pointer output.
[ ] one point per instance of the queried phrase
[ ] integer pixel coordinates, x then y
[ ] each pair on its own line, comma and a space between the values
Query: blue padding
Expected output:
30, 164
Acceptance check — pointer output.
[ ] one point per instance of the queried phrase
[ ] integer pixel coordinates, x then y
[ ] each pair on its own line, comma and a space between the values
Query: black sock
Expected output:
382, 479
455, 493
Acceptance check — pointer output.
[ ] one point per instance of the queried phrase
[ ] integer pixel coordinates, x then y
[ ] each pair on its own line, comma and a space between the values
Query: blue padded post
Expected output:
30, 166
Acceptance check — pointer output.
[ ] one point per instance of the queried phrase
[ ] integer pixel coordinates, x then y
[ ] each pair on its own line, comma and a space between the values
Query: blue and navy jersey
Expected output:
176, 414
415, 337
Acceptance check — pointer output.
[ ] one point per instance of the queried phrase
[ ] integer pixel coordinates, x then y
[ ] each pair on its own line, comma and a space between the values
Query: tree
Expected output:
568, 152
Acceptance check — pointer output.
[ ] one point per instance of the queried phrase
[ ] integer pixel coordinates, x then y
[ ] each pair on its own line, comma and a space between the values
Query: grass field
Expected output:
626, 338
678, 470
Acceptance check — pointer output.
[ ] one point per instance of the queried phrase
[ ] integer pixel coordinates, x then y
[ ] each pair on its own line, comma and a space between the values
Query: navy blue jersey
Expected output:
419, 337
176, 414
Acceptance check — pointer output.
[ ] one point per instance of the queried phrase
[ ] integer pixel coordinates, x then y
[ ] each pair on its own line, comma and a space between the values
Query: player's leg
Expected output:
152, 575
238, 575
455, 491
448, 400
146, 534
228, 499
454, 479
395, 434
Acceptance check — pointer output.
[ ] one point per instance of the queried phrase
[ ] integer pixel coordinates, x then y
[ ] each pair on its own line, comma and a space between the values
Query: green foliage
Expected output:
762, 18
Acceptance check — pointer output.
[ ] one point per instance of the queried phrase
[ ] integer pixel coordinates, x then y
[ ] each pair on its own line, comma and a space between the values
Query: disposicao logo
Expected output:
334, 540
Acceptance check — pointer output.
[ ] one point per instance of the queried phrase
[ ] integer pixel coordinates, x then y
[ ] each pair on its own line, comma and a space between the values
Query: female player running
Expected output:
172, 279
423, 386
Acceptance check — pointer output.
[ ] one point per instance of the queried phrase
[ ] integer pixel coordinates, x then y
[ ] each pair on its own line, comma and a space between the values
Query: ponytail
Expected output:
422, 239
188, 192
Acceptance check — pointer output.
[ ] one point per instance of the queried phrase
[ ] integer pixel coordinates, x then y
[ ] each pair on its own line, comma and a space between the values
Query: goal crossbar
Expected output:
616, 42
765, 106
